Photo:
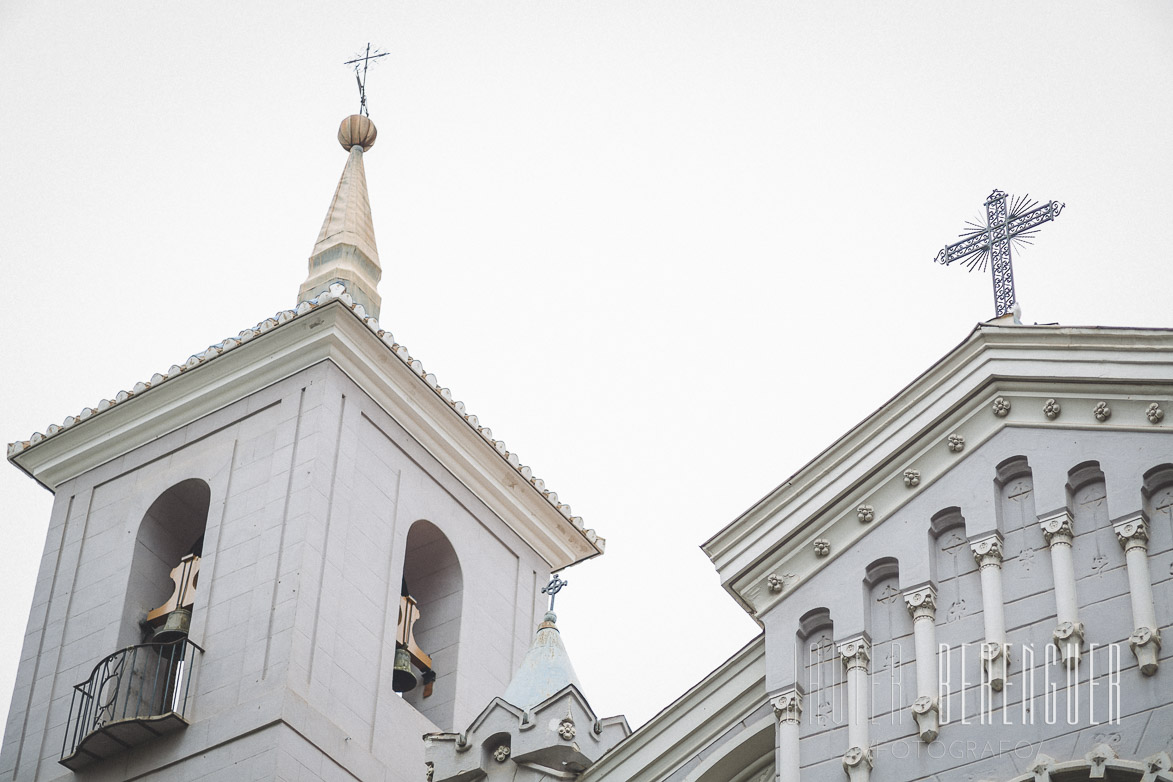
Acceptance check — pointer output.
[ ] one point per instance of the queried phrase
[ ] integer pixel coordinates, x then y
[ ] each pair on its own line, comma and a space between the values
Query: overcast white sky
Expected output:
668, 251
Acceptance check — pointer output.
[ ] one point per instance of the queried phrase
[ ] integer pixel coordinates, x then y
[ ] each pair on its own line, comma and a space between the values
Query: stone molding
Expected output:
821, 499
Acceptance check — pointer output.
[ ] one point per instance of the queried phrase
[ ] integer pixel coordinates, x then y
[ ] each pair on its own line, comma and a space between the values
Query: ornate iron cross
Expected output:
990, 243
553, 588
362, 80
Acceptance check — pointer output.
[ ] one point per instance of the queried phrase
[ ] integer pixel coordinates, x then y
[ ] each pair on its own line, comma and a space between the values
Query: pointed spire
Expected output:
345, 251
545, 670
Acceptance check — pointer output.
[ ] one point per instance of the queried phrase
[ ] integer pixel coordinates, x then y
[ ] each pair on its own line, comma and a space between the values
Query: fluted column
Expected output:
922, 604
987, 552
1133, 534
788, 713
856, 655
1068, 634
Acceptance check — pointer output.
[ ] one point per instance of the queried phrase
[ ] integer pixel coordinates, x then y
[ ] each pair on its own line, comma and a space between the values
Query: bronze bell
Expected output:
176, 625
402, 677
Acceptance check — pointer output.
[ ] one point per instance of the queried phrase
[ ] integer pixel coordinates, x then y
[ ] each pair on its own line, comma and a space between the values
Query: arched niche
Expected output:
1096, 552
1157, 498
496, 748
1023, 547
432, 574
953, 566
890, 628
172, 528
820, 671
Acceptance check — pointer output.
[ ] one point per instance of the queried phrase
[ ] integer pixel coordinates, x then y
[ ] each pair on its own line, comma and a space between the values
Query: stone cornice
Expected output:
332, 329
1022, 365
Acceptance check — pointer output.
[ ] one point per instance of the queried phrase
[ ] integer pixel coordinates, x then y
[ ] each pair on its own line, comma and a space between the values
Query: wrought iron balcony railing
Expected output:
132, 696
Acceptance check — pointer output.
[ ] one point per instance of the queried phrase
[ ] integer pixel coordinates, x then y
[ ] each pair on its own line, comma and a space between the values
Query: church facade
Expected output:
971, 584
274, 561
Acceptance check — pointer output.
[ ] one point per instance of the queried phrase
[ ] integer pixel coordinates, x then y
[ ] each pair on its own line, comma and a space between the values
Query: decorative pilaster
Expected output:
1068, 634
856, 655
987, 552
1133, 534
788, 713
926, 710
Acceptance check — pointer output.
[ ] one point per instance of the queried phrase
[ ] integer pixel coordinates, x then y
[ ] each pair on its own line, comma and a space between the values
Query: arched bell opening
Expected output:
429, 623
142, 689
164, 570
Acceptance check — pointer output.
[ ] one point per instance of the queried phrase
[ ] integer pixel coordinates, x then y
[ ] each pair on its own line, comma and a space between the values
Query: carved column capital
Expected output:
788, 706
857, 758
1068, 637
1132, 532
987, 552
924, 704
1145, 643
921, 603
1057, 528
856, 653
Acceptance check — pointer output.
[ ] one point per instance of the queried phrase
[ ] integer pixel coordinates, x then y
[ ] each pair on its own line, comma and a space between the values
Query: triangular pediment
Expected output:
1002, 377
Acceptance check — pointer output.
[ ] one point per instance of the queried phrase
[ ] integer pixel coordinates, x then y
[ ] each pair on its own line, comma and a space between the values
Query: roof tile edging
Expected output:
338, 292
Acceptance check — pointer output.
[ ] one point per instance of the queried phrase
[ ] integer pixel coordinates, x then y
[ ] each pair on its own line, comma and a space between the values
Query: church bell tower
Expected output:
290, 555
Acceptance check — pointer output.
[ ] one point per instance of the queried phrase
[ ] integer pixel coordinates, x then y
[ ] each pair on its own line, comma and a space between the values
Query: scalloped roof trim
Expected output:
336, 292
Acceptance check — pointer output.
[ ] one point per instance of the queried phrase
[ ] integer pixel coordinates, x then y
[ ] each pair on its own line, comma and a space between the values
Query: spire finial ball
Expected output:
357, 130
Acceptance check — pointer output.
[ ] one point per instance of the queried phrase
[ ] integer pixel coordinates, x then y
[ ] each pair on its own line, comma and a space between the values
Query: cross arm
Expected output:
971, 244
1034, 218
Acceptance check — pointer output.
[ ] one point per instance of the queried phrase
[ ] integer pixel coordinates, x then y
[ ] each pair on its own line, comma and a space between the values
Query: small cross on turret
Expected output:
553, 588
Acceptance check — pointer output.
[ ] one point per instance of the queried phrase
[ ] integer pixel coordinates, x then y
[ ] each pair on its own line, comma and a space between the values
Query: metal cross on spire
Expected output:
554, 587
362, 78
990, 243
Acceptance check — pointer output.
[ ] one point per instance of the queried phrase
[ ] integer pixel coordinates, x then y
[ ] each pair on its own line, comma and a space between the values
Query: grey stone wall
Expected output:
313, 493
971, 500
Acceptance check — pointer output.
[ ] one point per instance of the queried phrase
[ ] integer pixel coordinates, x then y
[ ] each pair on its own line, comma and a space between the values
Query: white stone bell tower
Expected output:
288, 556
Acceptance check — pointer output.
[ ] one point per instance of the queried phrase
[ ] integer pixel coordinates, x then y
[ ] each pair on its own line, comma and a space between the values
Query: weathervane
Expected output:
990, 243
553, 588
362, 79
